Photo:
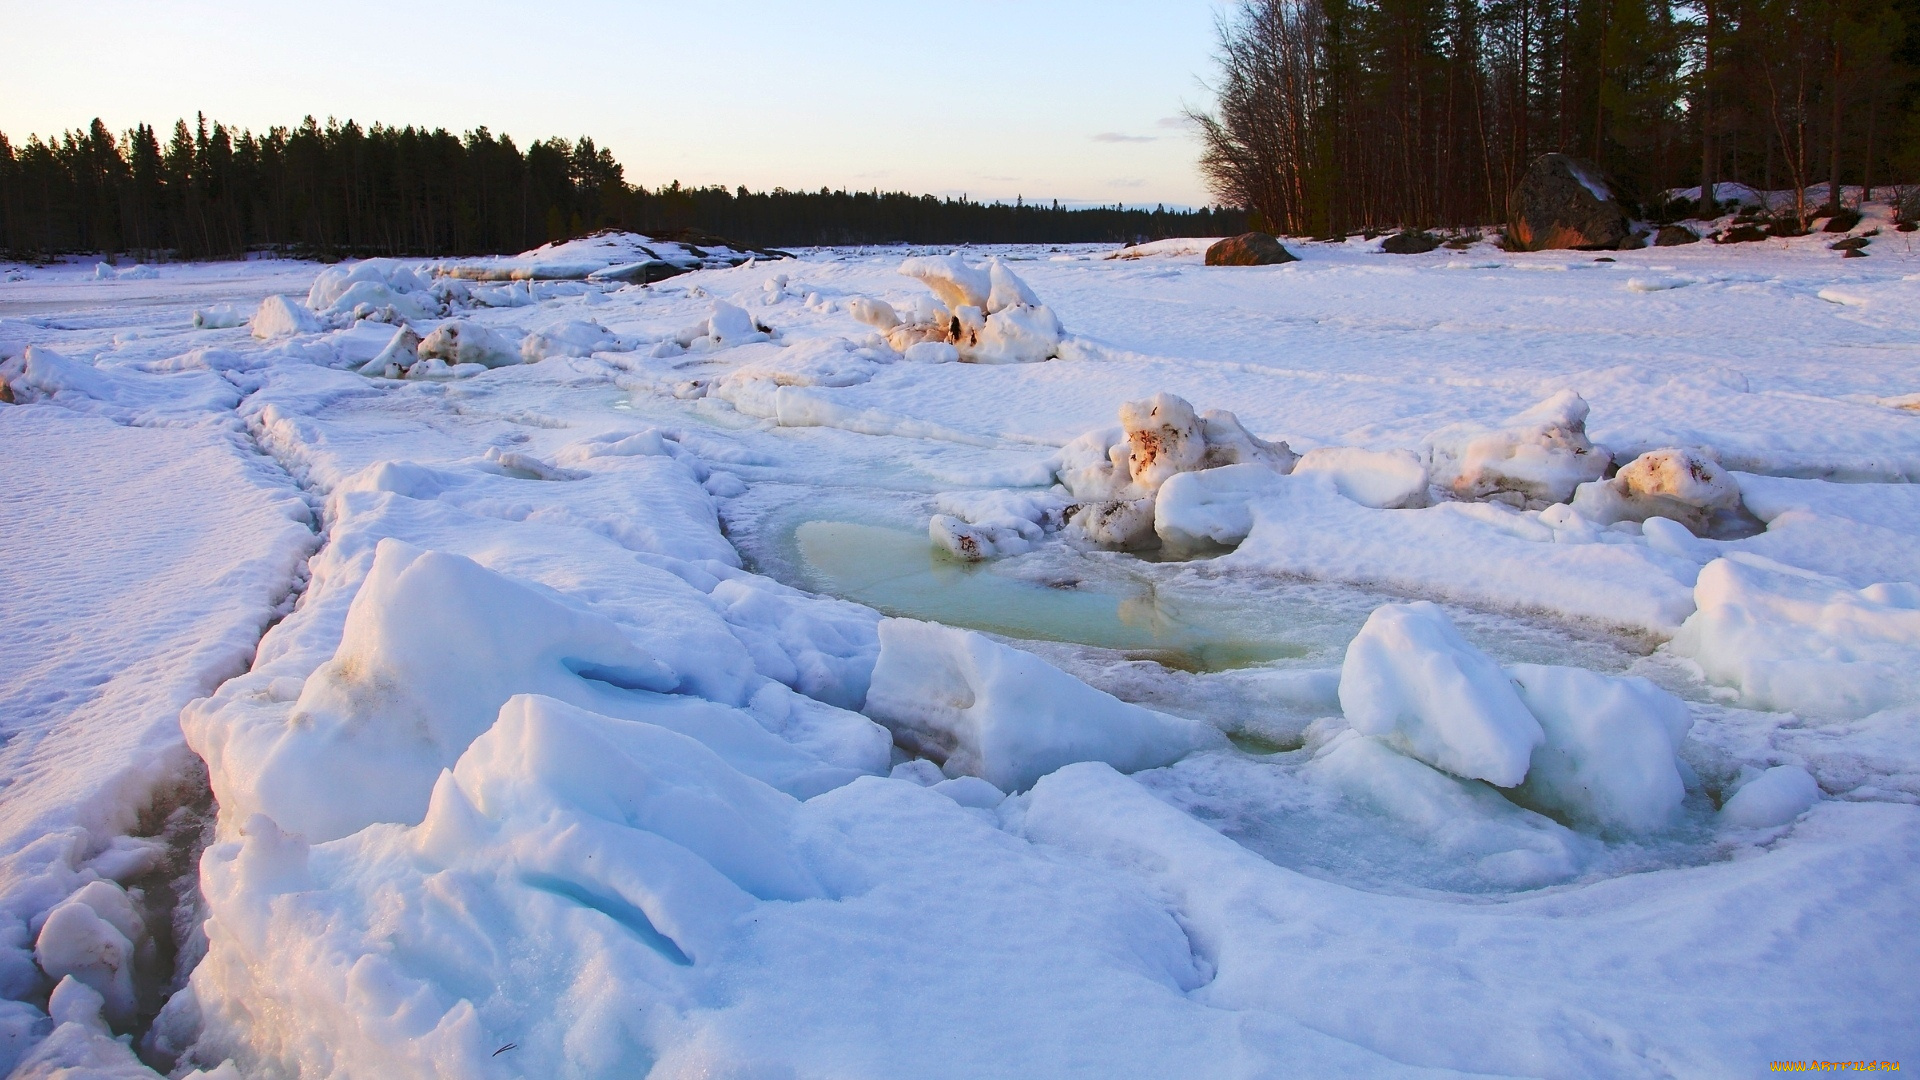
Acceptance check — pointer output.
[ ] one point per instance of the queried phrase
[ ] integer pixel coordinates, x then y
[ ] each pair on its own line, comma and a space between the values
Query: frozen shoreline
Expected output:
702, 883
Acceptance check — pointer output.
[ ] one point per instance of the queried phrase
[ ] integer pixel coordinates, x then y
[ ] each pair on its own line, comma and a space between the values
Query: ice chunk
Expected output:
579, 337
1193, 509
1410, 678
1792, 639
976, 525
971, 791
1773, 798
278, 316
1006, 289
1014, 335
334, 283
931, 352
989, 710
1094, 466
1382, 479
875, 313
545, 758
76, 941
1464, 819
433, 645
973, 543
1609, 756
74, 1002
401, 353
1683, 485
461, 341
729, 325
365, 297
1122, 523
956, 283
1536, 457
1230, 443
218, 317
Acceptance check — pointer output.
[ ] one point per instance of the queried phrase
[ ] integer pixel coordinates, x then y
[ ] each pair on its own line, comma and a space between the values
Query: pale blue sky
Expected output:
1074, 100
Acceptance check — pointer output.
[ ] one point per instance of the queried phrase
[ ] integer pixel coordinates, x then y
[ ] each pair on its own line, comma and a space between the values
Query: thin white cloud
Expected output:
1117, 137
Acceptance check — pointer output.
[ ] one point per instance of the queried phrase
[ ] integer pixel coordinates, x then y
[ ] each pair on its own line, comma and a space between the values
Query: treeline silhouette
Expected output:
211, 191
1335, 115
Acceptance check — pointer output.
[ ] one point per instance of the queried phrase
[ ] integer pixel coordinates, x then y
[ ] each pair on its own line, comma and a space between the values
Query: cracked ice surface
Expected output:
556, 749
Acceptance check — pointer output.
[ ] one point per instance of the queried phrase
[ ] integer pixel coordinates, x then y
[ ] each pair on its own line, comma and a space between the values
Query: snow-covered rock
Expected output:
1382, 479
1772, 799
1535, 458
1610, 755
462, 341
1792, 639
1118, 473
989, 315
1410, 678
1164, 437
1683, 485
989, 710
278, 317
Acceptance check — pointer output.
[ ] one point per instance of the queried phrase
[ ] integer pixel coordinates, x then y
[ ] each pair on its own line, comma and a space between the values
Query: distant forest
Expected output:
210, 191
1335, 115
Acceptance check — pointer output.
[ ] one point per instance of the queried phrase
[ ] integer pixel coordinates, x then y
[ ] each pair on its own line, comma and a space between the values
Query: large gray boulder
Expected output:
1249, 249
1564, 202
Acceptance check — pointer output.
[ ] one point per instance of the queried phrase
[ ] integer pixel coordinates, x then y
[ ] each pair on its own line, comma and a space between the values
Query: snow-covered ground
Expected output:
559, 684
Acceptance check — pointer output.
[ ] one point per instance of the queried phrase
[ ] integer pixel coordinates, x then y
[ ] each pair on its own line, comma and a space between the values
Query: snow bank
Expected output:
1382, 479
1795, 640
433, 645
1535, 458
1683, 485
1610, 755
992, 711
280, 317
1410, 678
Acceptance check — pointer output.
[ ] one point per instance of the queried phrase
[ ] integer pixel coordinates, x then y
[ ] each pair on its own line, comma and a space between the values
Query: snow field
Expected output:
540, 760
